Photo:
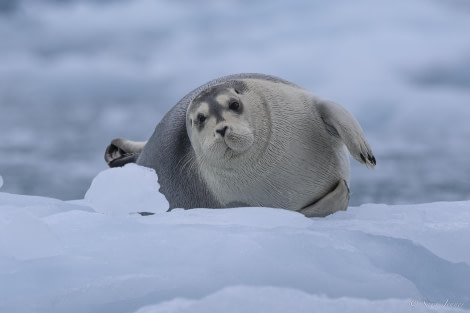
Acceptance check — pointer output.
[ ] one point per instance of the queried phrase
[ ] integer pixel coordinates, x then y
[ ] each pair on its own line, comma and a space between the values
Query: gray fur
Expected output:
312, 181
169, 152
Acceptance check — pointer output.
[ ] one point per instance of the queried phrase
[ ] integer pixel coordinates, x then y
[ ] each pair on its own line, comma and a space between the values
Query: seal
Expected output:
251, 140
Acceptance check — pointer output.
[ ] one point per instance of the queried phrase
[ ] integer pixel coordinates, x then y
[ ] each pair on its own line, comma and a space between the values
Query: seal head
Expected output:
219, 124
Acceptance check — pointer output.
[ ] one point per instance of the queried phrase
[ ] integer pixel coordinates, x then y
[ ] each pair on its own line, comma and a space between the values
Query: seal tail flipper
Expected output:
336, 200
122, 151
341, 123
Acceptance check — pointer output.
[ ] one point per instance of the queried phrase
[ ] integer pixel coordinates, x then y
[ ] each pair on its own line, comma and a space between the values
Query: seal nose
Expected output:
222, 131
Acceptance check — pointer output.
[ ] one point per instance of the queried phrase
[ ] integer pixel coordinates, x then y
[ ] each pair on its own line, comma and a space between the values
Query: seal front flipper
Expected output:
336, 200
122, 151
339, 122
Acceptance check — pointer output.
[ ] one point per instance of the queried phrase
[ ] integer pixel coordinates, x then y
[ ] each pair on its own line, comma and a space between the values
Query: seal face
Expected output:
251, 140
218, 125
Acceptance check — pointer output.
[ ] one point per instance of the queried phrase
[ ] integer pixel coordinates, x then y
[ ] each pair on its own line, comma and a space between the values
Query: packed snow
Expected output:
98, 254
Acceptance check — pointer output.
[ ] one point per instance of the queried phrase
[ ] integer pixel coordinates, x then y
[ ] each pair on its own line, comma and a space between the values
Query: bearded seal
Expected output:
251, 140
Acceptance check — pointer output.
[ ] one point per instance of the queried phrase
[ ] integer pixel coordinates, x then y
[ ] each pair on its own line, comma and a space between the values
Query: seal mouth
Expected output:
220, 150
229, 154
239, 142
230, 146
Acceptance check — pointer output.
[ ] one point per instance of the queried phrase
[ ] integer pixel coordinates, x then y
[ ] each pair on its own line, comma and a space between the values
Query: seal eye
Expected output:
234, 106
201, 118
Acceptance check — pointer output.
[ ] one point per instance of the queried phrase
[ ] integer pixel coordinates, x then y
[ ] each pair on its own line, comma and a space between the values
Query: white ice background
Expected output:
98, 255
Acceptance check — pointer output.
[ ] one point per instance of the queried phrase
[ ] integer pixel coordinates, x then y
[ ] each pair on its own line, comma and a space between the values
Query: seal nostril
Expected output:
222, 131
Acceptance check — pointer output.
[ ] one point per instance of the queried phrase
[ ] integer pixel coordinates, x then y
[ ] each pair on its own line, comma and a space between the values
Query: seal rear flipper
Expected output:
122, 151
336, 200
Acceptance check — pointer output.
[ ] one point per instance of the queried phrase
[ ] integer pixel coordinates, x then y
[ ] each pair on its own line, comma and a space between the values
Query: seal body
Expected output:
252, 140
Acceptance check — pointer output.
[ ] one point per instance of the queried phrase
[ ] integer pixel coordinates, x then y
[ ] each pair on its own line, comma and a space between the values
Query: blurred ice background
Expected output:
75, 74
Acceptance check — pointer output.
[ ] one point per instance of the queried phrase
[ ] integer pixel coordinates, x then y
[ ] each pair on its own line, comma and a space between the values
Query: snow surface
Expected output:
98, 255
